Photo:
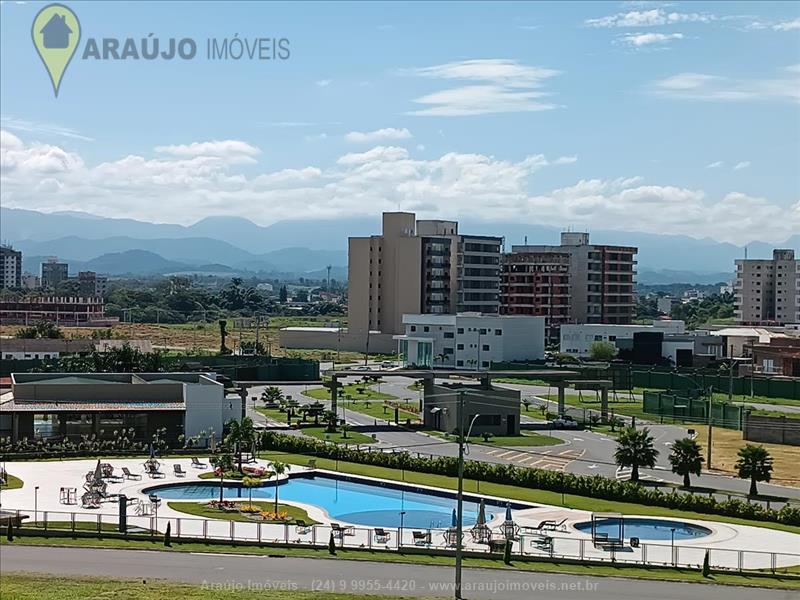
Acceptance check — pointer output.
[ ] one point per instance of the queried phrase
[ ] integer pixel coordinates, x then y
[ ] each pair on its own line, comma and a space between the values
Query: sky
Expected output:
662, 117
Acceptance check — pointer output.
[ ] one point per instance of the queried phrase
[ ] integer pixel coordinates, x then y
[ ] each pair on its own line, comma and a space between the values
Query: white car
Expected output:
564, 422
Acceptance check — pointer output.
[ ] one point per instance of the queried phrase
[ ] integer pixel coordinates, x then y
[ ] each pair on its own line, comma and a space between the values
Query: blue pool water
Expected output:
352, 502
646, 529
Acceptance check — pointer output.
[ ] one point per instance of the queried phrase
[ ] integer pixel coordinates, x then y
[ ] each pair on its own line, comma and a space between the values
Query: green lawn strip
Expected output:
12, 483
759, 412
521, 381
351, 389
199, 509
25, 586
722, 396
524, 439
338, 437
651, 573
516, 493
380, 410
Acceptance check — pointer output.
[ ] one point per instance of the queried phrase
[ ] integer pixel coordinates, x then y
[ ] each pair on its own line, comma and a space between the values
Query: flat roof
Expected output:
67, 406
420, 373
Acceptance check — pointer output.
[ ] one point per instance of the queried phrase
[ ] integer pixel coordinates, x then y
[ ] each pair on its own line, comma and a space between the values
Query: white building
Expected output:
470, 340
665, 303
577, 340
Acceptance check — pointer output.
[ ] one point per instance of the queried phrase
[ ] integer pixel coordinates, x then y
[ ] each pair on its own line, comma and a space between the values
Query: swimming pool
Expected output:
646, 529
345, 500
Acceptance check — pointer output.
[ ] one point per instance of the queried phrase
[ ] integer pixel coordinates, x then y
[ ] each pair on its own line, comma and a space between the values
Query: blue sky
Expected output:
667, 117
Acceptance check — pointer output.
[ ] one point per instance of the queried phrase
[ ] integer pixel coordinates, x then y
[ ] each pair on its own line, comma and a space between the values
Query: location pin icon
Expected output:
56, 32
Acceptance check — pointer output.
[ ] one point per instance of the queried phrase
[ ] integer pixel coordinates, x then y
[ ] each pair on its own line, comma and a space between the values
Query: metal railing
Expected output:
554, 545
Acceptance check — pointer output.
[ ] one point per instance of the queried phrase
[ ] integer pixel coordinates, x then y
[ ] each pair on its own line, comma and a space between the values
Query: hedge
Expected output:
592, 486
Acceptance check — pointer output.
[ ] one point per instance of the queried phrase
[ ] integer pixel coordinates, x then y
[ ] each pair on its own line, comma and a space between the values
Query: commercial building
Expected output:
63, 405
601, 279
537, 284
90, 284
489, 409
61, 310
737, 342
469, 340
577, 340
767, 292
31, 281
42, 349
10, 267
53, 273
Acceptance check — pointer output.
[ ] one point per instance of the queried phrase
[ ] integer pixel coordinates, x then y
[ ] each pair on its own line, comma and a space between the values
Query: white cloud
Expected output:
184, 188
378, 135
499, 86
741, 165
715, 165
792, 25
639, 40
316, 137
649, 18
42, 128
700, 86
221, 148
324, 82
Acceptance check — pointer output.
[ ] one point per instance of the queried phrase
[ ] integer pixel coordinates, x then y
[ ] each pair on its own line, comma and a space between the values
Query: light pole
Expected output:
36, 506
460, 501
400, 534
672, 544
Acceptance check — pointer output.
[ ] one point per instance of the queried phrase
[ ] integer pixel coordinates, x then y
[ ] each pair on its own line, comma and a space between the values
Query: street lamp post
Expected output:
400, 533
36, 506
672, 544
462, 440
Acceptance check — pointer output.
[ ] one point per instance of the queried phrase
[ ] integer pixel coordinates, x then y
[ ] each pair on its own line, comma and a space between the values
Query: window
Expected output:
426, 329
483, 332
413, 328
486, 347
447, 350
484, 363
598, 338
459, 363
449, 335
486, 419
460, 330
498, 332
459, 346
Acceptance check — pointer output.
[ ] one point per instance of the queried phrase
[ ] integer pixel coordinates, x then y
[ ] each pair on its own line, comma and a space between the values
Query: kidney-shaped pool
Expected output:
345, 500
645, 528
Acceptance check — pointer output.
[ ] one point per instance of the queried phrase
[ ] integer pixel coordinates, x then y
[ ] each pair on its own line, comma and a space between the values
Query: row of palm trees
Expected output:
635, 449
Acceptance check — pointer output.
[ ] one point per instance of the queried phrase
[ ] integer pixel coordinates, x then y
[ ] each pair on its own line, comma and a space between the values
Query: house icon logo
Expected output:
56, 33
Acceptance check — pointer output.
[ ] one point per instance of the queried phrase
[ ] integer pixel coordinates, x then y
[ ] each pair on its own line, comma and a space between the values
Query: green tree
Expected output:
755, 464
283, 294
602, 351
635, 449
241, 434
272, 395
279, 469
686, 459
45, 330
250, 483
168, 535
223, 462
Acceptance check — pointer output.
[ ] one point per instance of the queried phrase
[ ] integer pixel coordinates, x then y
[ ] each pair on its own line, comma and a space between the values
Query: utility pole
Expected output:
460, 501
708, 450
258, 327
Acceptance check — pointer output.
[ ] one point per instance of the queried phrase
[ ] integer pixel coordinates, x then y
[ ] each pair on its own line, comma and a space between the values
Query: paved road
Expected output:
582, 452
265, 573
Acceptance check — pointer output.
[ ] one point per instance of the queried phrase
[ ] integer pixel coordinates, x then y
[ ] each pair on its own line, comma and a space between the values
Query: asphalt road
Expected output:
219, 571
582, 452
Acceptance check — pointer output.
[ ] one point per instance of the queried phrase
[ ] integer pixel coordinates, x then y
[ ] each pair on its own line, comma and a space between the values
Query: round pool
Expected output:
645, 528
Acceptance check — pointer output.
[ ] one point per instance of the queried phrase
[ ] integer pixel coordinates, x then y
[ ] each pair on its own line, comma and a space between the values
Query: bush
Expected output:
706, 567
332, 545
168, 535
592, 486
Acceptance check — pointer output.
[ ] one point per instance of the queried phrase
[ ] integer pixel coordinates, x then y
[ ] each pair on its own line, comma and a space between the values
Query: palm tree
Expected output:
754, 463
278, 469
272, 395
240, 434
250, 483
686, 459
635, 449
223, 462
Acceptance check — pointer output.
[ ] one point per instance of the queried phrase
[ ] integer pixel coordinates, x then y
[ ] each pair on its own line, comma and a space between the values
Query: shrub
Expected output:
592, 486
168, 535
332, 545
706, 566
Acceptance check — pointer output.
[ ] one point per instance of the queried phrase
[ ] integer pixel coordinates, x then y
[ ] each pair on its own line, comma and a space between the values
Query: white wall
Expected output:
577, 340
27, 355
207, 408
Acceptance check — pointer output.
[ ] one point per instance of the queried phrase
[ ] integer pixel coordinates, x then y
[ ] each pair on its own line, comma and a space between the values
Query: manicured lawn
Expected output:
521, 381
339, 437
12, 483
356, 391
48, 587
199, 509
722, 396
515, 493
379, 410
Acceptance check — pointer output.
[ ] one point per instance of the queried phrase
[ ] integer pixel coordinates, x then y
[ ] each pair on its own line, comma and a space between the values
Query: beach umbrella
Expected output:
152, 451
98, 472
508, 512
481, 514
454, 519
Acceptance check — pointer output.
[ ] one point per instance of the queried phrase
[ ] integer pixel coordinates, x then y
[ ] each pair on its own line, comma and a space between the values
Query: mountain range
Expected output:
306, 247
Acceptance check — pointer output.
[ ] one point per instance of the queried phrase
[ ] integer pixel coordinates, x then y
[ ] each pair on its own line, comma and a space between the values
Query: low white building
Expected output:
577, 340
470, 340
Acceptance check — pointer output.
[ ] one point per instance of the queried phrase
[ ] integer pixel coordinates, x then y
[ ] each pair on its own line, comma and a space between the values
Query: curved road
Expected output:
391, 579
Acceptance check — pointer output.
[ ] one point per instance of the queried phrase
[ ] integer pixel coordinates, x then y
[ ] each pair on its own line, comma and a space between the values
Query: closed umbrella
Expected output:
454, 519
508, 512
152, 451
481, 514
98, 472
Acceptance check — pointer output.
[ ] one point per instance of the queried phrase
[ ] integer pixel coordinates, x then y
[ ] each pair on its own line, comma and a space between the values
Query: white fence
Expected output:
554, 545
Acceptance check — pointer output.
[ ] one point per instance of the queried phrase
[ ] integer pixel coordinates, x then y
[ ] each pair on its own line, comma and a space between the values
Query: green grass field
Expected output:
12, 483
338, 437
526, 438
199, 509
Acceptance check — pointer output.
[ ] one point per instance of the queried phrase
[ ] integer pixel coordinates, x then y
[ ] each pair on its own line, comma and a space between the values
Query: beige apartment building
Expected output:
767, 292
576, 282
420, 267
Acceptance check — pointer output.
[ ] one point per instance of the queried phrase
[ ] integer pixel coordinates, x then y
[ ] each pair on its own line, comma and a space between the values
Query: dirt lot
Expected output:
203, 336
726, 443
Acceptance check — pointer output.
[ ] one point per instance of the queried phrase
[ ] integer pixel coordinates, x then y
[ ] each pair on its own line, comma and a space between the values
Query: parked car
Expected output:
386, 365
564, 422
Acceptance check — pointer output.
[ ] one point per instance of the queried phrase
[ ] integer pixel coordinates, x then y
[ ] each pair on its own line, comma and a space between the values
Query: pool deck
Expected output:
725, 540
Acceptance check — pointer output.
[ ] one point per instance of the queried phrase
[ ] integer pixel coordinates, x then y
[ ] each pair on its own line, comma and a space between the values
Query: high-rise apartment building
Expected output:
10, 267
600, 280
767, 292
53, 273
420, 267
90, 284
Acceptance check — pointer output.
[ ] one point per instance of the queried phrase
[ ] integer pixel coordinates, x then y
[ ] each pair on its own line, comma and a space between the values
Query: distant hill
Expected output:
301, 246
667, 276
